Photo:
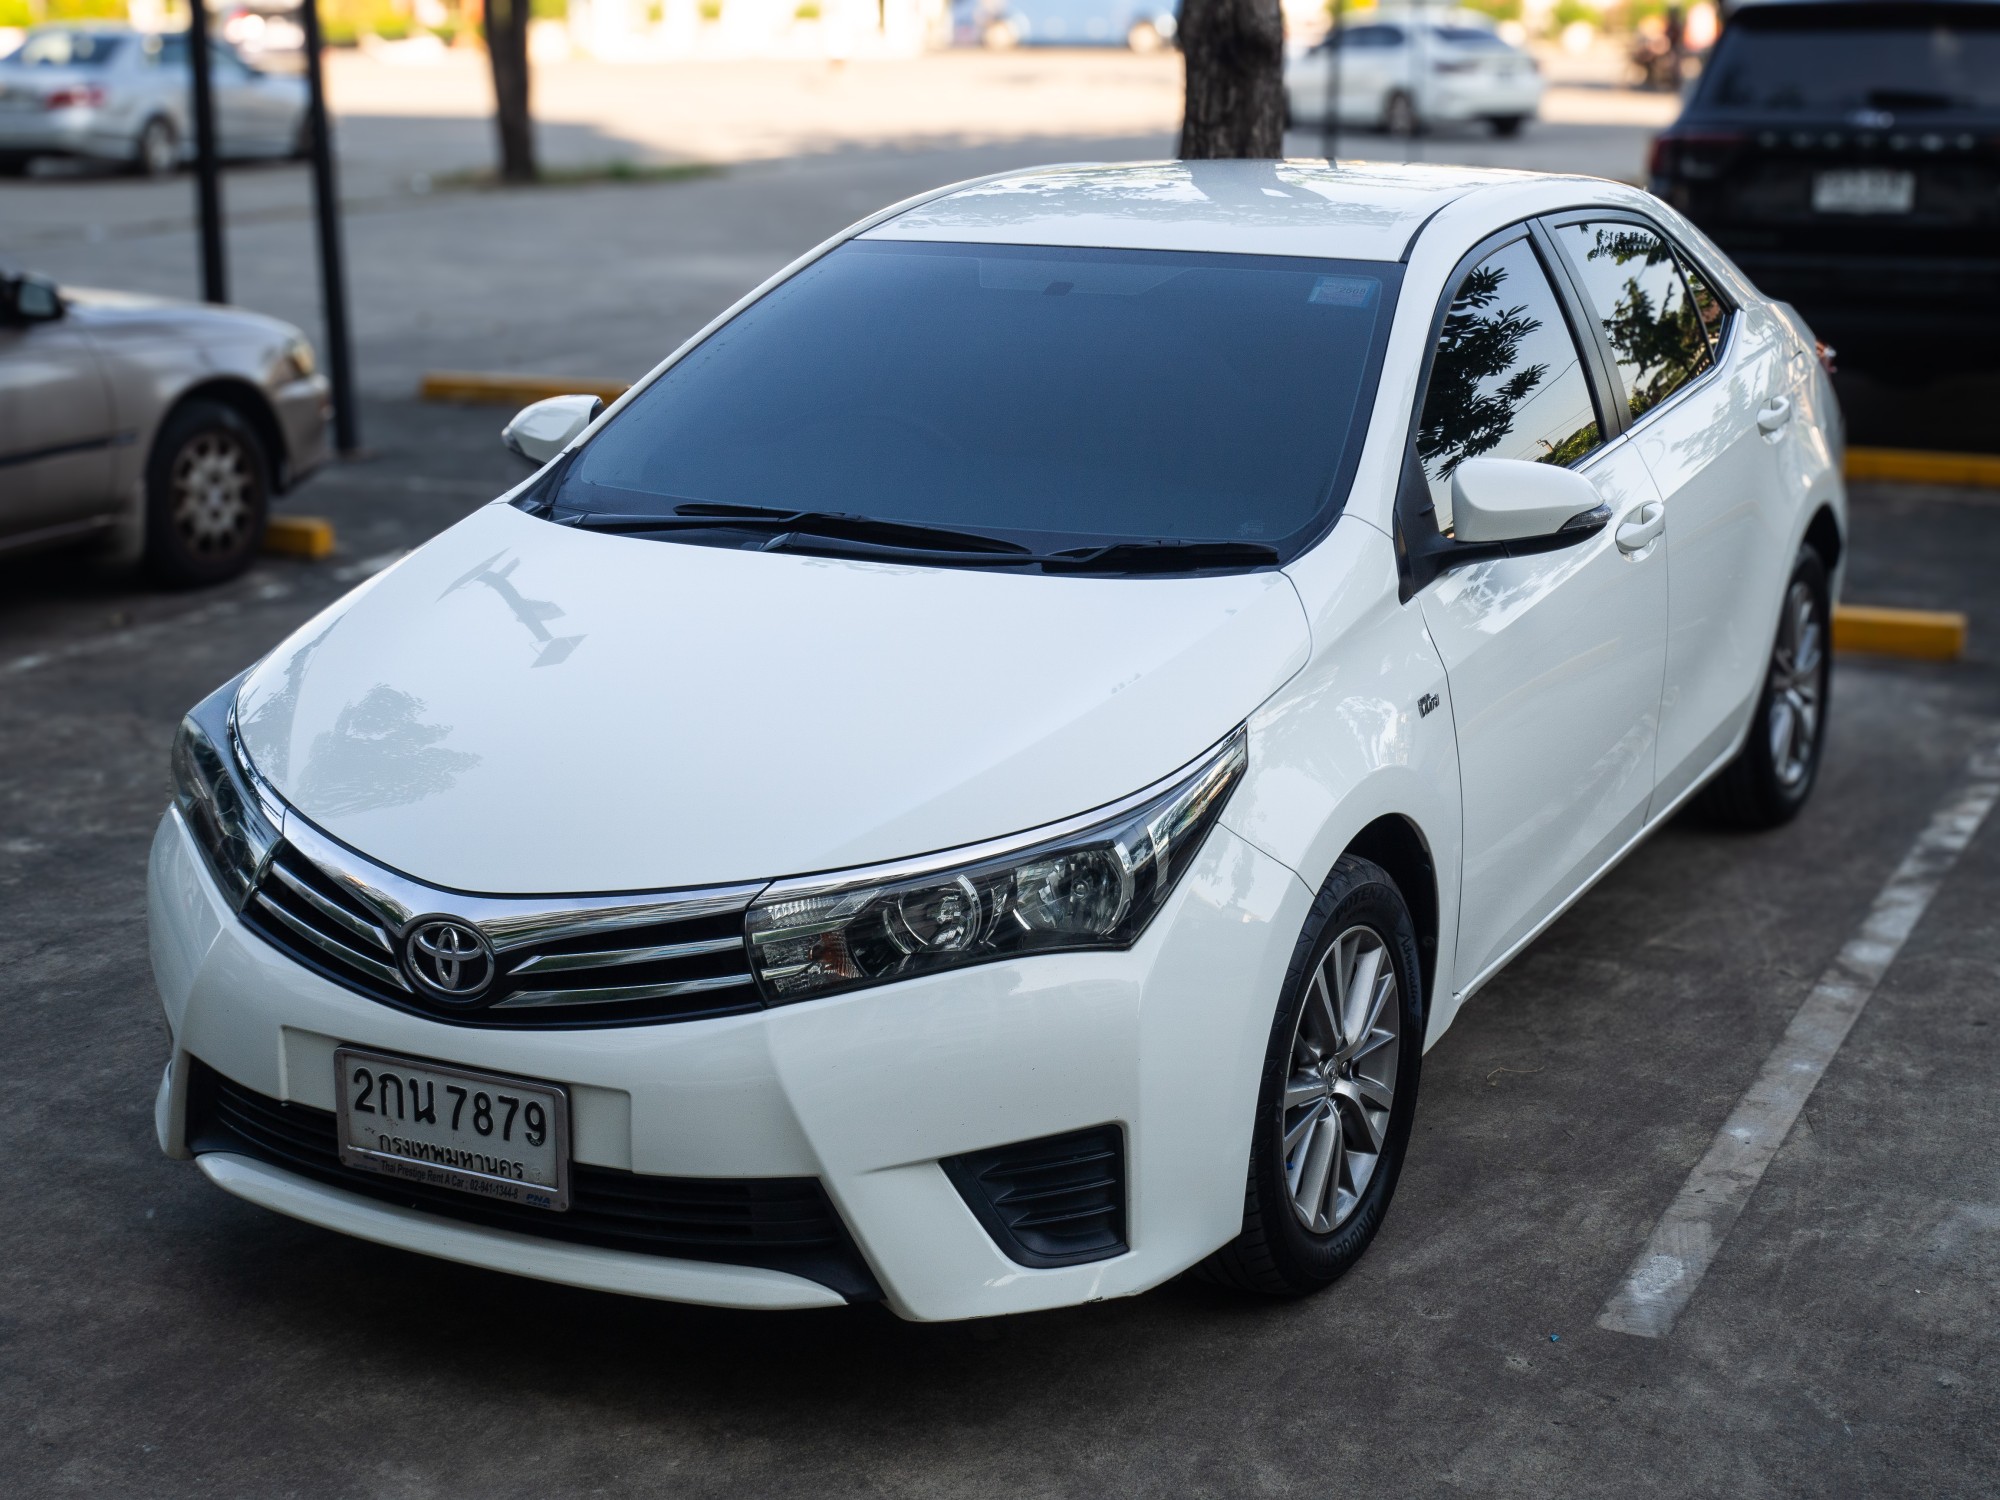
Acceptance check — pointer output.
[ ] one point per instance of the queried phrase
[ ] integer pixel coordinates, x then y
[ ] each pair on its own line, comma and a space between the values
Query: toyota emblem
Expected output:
448, 959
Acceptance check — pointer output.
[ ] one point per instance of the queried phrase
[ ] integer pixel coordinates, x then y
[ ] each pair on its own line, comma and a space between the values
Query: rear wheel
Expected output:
1506, 126
1771, 778
1338, 1093
157, 151
1399, 115
208, 495
14, 166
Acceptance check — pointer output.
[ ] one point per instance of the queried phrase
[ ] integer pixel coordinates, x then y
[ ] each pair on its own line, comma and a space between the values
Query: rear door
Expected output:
1555, 661
1708, 392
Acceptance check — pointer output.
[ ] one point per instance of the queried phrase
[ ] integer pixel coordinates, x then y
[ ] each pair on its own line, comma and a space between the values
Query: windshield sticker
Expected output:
1344, 291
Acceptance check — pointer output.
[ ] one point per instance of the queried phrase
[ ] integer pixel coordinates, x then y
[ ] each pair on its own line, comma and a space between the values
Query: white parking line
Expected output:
1691, 1231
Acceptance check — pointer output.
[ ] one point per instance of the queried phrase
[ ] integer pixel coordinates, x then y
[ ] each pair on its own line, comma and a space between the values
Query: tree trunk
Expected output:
1235, 78
507, 50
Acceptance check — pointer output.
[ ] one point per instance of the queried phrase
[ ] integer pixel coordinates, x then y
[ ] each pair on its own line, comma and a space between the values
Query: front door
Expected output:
1709, 395
55, 425
1555, 661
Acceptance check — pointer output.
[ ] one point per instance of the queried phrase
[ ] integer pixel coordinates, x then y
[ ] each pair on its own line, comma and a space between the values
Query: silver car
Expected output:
114, 94
159, 429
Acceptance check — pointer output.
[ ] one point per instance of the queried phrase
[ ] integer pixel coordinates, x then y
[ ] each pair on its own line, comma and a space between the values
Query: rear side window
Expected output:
64, 49
1829, 58
1712, 310
1507, 379
1633, 284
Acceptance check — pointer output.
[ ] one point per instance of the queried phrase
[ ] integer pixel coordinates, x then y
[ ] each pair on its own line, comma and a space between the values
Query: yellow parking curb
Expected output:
480, 385
1922, 634
299, 536
1913, 467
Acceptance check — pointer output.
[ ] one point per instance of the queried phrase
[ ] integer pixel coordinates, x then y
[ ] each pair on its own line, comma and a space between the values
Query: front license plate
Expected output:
478, 1133
1865, 190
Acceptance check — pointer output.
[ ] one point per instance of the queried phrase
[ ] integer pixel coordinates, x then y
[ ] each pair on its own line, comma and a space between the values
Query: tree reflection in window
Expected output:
1654, 326
1506, 379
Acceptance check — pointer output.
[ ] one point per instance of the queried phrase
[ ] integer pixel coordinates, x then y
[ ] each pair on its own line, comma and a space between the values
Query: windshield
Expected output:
1471, 36
1867, 57
1054, 398
64, 49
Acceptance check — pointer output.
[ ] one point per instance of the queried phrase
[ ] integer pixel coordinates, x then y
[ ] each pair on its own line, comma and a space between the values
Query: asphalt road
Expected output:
159, 1337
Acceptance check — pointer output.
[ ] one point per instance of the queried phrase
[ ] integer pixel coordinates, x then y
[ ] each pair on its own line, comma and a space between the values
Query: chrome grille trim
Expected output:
551, 963
681, 954
532, 999
333, 910
332, 945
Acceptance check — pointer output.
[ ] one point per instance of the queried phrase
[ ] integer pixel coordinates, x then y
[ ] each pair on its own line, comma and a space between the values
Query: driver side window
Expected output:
1507, 378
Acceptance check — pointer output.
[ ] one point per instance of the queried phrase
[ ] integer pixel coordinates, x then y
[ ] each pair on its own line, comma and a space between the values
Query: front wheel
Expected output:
1506, 126
1338, 1093
1772, 776
208, 496
157, 151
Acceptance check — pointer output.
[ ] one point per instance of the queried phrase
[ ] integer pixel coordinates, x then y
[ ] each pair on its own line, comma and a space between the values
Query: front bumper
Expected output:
305, 410
866, 1092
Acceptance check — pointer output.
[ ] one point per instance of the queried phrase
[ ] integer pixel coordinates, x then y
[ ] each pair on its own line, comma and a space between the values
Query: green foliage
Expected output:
711, 10
548, 10
808, 10
1566, 11
16, 13
1499, 10
1463, 416
1659, 348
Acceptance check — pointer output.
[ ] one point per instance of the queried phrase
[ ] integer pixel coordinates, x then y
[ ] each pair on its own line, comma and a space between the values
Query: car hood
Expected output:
136, 313
520, 707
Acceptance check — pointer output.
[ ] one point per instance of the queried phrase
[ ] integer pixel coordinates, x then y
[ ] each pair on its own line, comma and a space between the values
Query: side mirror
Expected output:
541, 431
35, 300
1515, 500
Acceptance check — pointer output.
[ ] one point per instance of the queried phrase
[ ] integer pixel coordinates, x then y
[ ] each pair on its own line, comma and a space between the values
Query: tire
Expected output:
1506, 126
1358, 913
15, 166
156, 152
1399, 115
208, 496
1773, 775
302, 140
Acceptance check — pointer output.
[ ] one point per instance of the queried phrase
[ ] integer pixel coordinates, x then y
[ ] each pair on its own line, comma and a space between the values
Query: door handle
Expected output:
1642, 526
1774, 415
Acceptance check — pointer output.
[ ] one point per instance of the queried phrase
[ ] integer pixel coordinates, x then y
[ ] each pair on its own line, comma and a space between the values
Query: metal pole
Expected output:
207, 175
1330, 128
332, 275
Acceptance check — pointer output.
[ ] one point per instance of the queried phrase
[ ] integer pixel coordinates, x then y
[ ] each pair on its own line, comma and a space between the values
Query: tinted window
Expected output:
64, 49
1372, 36
1634, 286
1470, 36
1713, 311
1869, 57
1506, 381
1060, 397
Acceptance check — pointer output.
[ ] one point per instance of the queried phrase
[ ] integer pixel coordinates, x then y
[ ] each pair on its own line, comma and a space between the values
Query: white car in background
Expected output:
976, 782
1404, 71
112, 94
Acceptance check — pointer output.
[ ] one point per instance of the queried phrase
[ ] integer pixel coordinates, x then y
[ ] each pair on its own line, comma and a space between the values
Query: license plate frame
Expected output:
1864, 190
424, 1149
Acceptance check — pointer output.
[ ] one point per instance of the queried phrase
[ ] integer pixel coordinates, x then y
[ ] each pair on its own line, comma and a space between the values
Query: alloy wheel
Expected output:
214, 493
157, 154
1796, 664
1342, 1082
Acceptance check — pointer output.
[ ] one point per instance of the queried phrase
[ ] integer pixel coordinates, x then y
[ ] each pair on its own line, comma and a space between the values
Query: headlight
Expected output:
1094, 882
299, 355
217, 797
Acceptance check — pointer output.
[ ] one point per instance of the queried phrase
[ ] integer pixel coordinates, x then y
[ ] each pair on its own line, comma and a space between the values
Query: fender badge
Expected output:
1425, 704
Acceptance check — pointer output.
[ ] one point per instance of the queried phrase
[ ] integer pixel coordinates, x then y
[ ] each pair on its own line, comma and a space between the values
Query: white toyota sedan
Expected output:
1403, 71
976, 782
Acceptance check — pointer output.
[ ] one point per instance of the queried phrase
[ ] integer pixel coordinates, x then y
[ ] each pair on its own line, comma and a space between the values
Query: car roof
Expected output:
1355, 211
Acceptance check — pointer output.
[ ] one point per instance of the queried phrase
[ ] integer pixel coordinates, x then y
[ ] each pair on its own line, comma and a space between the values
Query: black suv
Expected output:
1846, 153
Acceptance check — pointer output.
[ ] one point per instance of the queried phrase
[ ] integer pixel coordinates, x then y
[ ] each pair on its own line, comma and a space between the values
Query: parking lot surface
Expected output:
160, 1337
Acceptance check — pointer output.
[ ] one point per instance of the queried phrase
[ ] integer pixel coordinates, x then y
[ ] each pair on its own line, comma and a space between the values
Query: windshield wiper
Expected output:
891, 536
1160, 557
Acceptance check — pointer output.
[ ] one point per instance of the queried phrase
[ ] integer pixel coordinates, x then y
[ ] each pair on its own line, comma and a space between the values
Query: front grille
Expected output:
1056, 1201
555, 963
779, 1223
